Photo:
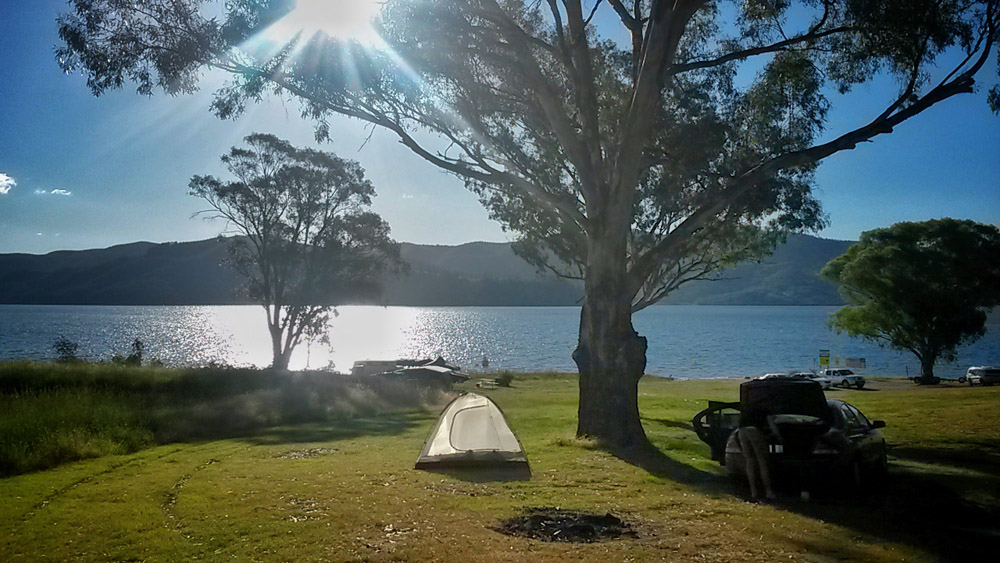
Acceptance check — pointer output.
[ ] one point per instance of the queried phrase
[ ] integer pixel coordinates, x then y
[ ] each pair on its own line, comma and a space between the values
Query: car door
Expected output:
861, 433
836, 379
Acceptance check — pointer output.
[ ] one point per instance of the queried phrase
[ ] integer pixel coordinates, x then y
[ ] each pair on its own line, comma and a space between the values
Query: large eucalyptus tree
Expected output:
634, 144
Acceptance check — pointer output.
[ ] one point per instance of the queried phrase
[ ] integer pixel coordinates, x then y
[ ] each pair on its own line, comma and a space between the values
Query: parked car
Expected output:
982, 375
844, 378
774, 376
824, 381
808, 436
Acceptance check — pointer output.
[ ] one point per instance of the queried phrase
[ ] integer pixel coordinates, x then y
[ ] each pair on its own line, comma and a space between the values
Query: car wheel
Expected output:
882, 469
845, 384
971, 383
860, 385
857, 475
961, 379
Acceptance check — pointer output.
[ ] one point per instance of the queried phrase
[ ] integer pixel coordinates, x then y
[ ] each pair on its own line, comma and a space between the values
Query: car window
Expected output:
861, 418
850, 417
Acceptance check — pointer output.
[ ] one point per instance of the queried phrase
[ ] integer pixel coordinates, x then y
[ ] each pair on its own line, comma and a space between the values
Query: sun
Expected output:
343, 19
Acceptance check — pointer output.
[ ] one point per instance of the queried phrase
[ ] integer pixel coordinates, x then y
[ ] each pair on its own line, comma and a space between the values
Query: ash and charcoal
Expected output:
553, 524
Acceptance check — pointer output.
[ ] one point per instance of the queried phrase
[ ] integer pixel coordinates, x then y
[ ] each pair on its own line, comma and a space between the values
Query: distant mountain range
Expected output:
477, 273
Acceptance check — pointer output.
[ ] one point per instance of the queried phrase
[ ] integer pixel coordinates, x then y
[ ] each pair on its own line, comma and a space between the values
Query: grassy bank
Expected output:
345, 490
55, 413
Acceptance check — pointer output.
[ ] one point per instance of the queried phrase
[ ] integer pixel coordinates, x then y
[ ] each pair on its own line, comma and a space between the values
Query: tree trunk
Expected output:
927, 361
280, 357
610, 355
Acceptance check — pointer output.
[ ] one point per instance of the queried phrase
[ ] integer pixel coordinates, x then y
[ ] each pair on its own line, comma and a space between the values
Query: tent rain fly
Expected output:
471, 431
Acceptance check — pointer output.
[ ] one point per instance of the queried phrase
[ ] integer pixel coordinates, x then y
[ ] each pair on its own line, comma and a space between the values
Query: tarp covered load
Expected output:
472, 431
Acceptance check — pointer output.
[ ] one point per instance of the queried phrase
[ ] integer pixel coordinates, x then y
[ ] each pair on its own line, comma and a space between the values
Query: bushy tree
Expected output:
923, 287
305, 240
66, 350
675, 138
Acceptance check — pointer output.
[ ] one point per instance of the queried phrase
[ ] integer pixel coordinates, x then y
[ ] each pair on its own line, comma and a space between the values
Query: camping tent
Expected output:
471, 432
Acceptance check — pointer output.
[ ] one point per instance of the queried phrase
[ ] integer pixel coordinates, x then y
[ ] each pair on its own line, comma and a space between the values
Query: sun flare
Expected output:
344, 19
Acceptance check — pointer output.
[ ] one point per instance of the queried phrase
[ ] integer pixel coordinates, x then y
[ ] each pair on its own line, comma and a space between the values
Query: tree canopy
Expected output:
923, 287
305, 241
653, 149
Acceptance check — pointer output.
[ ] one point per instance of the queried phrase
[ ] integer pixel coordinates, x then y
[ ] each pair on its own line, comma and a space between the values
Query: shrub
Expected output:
66, 350
134, 358
505, 378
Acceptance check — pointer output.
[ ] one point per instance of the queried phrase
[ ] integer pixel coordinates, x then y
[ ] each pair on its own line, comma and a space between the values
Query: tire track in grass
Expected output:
174, 521
135, 461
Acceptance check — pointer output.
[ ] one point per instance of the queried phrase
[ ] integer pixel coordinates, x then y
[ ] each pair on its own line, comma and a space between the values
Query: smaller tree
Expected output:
305, 239
920, 287
66, 350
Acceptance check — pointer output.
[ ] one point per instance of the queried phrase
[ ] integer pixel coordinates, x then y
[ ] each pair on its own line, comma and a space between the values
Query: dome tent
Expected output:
472, 432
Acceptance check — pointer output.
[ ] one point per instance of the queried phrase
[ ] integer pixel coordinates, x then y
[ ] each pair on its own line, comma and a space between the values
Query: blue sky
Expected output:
92, 172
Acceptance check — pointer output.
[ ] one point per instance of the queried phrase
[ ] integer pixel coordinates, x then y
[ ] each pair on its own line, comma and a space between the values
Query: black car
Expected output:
809, 437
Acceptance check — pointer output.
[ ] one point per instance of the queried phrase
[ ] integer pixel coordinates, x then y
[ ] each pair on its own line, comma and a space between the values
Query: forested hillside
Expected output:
478, 273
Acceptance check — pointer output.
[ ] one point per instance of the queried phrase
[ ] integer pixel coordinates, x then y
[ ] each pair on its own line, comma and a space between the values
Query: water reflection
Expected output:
683, 341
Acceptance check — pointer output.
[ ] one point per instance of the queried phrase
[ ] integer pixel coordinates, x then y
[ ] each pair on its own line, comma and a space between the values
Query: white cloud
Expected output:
54, 192
6, 183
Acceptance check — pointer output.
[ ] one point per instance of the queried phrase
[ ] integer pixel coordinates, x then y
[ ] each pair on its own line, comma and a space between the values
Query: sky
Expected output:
83, 172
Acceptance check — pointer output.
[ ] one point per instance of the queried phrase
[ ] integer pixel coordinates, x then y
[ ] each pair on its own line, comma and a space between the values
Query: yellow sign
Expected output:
824, 360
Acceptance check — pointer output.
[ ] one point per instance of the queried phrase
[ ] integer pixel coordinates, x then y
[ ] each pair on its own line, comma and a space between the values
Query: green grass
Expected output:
55, 413
345, 490
41, 429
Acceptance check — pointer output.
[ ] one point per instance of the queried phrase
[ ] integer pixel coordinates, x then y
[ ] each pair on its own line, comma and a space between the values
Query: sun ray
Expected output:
339, 19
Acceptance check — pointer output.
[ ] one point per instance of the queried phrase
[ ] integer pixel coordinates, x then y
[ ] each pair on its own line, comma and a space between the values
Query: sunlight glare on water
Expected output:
684, 341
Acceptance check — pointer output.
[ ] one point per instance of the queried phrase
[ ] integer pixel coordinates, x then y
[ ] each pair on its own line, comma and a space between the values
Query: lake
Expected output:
684, 341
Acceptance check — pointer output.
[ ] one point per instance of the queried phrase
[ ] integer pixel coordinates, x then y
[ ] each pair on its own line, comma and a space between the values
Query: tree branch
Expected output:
747, 53
742, 184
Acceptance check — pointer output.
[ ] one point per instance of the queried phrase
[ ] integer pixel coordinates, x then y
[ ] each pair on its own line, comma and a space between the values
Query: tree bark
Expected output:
927, 361
280, 357
610, 355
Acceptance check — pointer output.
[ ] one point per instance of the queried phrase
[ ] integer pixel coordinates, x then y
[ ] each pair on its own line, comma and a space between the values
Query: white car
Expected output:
774, 376
844, 378
983, 375
824, 381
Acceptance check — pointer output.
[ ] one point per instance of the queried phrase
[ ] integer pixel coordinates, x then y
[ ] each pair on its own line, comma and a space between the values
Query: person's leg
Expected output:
761, 456
750, 457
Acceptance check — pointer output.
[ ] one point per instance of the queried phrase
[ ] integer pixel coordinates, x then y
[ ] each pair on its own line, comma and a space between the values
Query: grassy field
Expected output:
55, 413
345, 490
